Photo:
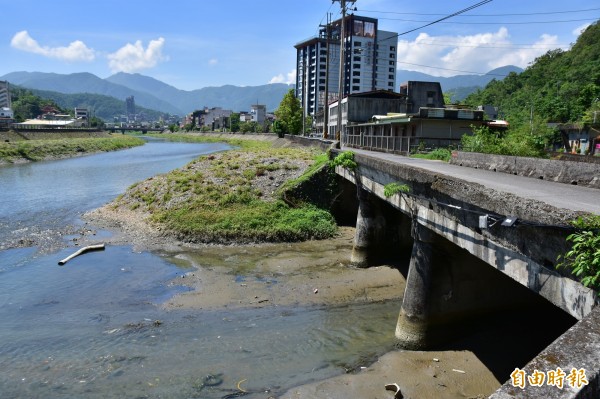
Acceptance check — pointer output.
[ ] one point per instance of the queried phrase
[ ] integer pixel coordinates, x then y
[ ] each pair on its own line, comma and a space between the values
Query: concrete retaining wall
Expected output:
563, 171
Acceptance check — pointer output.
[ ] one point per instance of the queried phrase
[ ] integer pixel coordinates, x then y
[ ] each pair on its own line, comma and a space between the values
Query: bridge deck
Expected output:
559, 195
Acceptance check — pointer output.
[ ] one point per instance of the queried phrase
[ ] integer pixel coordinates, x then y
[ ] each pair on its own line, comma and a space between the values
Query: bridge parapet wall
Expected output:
584, 172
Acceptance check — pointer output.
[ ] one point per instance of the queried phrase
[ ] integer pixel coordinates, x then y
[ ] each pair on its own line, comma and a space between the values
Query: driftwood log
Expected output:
97, 247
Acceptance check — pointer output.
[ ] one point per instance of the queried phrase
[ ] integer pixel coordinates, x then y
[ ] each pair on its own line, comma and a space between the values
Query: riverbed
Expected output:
260, 321
99, 326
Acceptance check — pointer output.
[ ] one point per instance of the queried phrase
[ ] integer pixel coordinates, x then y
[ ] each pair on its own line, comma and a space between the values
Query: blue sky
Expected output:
192, 44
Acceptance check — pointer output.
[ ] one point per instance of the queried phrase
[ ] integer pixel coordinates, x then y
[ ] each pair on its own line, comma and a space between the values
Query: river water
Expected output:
95, 329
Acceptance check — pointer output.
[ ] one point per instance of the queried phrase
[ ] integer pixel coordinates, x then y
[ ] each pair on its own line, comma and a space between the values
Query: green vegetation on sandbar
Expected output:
247, 144
235, 196
38, 150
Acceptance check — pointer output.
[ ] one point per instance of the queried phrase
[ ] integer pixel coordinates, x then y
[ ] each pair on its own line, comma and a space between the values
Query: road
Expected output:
560, 195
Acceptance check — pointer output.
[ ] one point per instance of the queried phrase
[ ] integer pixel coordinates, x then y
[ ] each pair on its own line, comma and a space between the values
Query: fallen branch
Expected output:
97, 247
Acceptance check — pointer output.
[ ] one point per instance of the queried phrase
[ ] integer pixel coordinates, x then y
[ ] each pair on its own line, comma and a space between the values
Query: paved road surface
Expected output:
560, 195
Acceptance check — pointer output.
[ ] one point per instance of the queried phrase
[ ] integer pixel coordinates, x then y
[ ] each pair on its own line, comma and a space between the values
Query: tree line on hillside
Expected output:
559, 86
103, 108
27, 105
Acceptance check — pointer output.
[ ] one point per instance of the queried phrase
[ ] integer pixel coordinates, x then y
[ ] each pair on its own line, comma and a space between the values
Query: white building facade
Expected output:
369, 62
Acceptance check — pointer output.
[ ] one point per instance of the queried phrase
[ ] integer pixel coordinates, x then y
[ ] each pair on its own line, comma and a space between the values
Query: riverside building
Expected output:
369, 62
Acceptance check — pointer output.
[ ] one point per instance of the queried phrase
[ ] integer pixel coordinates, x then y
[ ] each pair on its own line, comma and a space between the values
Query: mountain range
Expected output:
156, 95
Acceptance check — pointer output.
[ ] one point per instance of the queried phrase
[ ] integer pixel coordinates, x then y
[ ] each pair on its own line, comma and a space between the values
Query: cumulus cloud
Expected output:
133, 57
213, 61
289, 78
75, 51
579, 30
449, 55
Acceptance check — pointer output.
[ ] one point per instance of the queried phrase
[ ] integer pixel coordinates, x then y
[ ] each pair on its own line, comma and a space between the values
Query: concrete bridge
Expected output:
515, 225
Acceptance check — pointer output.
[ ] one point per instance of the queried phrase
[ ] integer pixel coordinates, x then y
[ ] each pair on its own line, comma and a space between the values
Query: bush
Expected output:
584, 256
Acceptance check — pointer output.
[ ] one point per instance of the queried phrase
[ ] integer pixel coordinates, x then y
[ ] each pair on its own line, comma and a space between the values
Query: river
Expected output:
95, 329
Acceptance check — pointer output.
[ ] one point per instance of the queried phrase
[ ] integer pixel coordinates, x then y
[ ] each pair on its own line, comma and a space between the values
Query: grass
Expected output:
37, 150
228, 197
439, 154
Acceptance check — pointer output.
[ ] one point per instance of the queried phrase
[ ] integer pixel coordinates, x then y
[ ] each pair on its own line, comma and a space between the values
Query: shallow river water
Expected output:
95, 329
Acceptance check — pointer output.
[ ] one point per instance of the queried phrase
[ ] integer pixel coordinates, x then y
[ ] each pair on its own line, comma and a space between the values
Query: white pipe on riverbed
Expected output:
97, 247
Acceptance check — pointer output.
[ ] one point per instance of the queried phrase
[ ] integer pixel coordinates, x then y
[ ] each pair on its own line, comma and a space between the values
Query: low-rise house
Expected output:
404, 133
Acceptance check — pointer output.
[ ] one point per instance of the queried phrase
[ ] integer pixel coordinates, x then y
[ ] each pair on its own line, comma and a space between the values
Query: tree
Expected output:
289, 114
234, 122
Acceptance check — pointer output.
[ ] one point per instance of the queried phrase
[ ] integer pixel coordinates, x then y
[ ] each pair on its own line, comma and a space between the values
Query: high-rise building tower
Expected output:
130, 107
4, 94
369, 62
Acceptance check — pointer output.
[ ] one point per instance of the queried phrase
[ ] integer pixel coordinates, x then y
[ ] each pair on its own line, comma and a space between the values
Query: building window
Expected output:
430, 95
323, 59
391, 77
321, 73
392, 48
356, 66
322, 81
355, 88
392, 55
355, 73
357, 44
392, 63
357, 58
355, 80
391, 70
391, 84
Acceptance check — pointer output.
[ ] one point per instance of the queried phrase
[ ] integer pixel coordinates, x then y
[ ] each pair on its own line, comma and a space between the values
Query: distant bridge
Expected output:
144, 130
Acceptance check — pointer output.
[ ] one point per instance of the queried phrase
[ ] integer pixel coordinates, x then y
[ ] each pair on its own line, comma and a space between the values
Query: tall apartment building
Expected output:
4, 94
369, 62
130, 107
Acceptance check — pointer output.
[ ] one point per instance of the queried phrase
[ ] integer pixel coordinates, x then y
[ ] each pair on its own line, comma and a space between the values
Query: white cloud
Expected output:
133, 57
579, 30
76, 51
213, 61
454, 55
289, 78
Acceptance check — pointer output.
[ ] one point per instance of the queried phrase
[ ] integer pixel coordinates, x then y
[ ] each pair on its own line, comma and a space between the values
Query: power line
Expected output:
454, 70
491, 22
487, 15
498, 45
446, 17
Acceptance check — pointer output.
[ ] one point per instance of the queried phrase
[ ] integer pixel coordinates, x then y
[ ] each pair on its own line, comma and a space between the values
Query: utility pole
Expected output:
304, 95
327, 63
343, 5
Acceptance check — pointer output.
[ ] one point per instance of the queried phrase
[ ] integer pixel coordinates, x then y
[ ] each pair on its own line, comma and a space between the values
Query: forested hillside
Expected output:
103, 107
560, 86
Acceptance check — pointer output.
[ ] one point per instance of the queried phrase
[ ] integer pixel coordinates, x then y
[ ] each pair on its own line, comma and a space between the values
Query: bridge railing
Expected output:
397, 144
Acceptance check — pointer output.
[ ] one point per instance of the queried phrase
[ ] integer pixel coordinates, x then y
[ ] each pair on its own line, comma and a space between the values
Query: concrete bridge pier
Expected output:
412, 327
370, 229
